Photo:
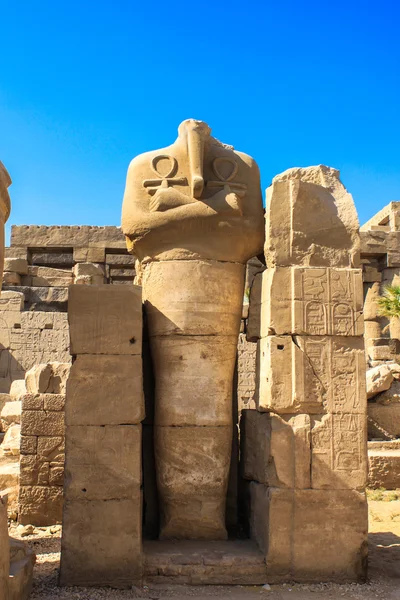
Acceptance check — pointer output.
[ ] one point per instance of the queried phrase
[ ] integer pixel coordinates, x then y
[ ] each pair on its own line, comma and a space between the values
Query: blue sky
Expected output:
85, 86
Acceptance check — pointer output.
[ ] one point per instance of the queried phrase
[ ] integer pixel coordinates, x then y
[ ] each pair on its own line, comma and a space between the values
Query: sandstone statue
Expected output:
192, 214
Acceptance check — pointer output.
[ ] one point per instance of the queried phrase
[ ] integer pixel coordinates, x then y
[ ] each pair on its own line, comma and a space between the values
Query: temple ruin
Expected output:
187, 394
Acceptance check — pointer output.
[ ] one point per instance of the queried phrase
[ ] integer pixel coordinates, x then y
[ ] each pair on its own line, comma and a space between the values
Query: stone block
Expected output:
253, 330
93, 255
372, 329
56, 474
17, 389
37, 379
36, 319
28, 444
12, 252
101, 543
60, 321
304, 374
103, 463
379, 379
40, 422
312, 220
11, 301
4, 545
311, 301
105, 390
40, 505
16, 265
192, 507
22, 560
387, 416
50, 449
32, 402
10, 446
55, 402
193, 372
87, 268
339, 451
371, 274
10, 414
105, 319
11, 279
371, 294
181, 309
296, 526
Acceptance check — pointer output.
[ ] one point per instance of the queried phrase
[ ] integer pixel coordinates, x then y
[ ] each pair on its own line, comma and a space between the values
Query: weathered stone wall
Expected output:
102, 515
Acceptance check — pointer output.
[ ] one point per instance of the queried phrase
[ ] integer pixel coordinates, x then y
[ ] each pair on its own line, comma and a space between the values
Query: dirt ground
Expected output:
384, 570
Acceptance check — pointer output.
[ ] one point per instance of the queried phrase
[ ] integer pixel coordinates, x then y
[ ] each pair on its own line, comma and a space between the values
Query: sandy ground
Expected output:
384, 571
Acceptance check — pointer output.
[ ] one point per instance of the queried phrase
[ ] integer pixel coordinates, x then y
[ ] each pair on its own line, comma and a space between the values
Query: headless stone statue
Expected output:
192, 214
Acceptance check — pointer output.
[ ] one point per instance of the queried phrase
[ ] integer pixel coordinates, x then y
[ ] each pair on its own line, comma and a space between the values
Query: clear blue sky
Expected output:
85, 86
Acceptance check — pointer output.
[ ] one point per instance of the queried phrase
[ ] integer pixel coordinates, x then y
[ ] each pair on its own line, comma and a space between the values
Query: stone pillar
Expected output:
192, 215
102, 518
4, 549
5, 207
307, 458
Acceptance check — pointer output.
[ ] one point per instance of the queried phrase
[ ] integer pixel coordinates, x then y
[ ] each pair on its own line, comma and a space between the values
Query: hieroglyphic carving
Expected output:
327, 301
338, 451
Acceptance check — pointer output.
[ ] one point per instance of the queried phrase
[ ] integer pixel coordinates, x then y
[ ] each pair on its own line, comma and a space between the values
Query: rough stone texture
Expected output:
387, 416
311, 374
237, 562
102, 514
192, 476
102, 542
10, 414
384, 465
17, 389
192, 373
296, 526
311, 301
312, 220
105, 390
22, 560
42, 459
379, 379
246, 373
50, 378
10, 446
119, 333
195, 199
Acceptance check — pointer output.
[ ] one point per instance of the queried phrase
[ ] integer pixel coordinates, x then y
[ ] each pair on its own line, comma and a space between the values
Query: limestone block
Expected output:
339, 451
10, 414
60, 321
296, 526
50, 449
28, 444
40, 504
54, 402
101, 542
32, 402
4, 552
22, 560
16, 265
17, 389
312, 220
37, 320
91, 255
246, 373
306, 373
372, 329
105, 390
40, 422
105, 319
11, 441
103, 463
12, 301
12, 252
194, 377
195, 199
88, 268
384, 467
192, 478
387, 416
381, 351
48, 276
193, 297
59, 377
37, 379
311, 301
11, 279
378, 379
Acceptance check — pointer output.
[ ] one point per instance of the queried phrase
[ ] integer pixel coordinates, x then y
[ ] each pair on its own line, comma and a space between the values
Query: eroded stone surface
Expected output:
312, 220
192, 474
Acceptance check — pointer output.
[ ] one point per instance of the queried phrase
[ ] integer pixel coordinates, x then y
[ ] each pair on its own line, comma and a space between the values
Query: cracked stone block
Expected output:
310, 301
311, 374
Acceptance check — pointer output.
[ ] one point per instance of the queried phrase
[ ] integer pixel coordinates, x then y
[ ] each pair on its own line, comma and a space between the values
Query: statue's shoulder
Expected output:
145, 160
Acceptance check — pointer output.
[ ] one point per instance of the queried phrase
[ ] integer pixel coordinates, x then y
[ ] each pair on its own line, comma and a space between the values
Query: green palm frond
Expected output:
389, 302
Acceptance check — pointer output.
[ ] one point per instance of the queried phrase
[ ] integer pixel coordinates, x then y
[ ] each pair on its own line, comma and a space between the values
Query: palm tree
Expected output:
389, 303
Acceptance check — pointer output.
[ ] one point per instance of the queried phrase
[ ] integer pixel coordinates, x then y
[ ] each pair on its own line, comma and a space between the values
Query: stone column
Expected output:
5, 207
192, 215
102, 515
308, 471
